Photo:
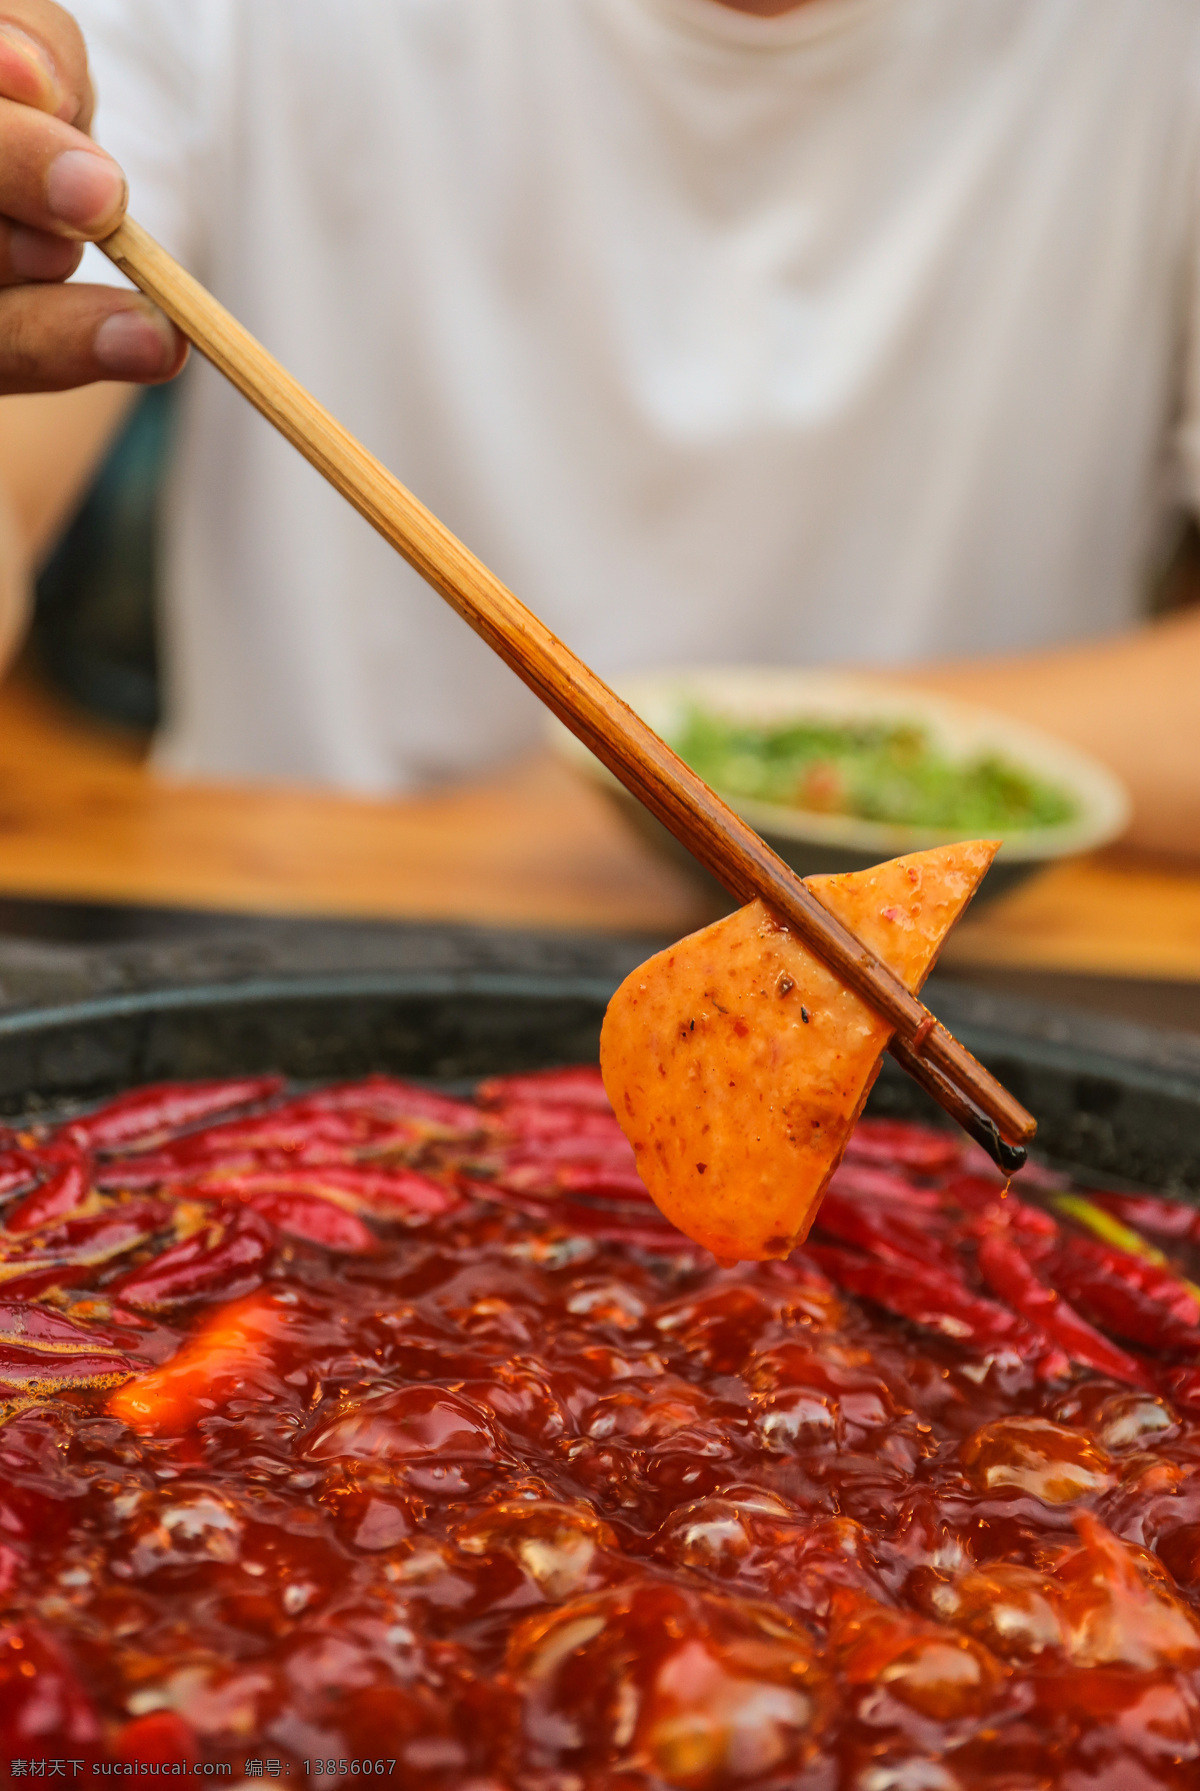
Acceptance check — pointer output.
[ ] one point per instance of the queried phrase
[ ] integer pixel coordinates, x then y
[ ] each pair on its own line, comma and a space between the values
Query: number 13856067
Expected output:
365, 1768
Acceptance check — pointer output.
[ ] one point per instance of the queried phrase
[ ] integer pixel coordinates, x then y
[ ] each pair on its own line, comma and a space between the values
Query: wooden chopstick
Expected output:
724, 843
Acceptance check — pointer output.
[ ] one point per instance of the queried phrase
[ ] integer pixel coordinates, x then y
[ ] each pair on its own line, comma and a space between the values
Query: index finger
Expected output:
43, 60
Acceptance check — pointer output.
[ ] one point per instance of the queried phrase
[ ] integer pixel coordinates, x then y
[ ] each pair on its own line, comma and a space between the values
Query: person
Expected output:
825, 331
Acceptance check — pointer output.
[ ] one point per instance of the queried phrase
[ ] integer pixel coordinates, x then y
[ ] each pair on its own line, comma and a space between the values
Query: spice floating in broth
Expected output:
737, 1063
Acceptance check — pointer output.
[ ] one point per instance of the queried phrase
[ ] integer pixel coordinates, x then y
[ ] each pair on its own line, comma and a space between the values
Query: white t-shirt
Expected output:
859, 335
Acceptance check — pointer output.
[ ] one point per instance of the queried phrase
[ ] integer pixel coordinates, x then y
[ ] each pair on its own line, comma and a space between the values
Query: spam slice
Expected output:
737, 1064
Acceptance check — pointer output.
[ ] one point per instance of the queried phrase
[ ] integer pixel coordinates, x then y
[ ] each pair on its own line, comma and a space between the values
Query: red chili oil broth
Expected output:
462, 1459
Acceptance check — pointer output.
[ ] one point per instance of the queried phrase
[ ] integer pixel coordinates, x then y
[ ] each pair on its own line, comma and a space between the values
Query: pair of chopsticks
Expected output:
619, 738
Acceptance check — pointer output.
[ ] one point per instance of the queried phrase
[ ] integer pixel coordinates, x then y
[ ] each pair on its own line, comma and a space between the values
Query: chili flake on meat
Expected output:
366, 1423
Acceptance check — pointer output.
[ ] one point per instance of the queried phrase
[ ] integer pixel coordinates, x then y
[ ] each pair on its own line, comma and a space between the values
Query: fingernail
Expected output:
84, 188
32, 255
135, 344
26, 70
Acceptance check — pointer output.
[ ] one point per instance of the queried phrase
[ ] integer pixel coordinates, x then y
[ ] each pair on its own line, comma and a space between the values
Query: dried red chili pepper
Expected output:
1035, 1232
270, 1141
891, 1236
530, 1173
68, 1252
1135, 1299
39, 1327
579, 1086
601, 1183
337, 1116
224, 1261
550, 1174
317, 1221
1011, 1278
392, 1194
31, 1370
42, 1349
1145, 1212
529, 1121
148, 1114
1154, 1279
940, 1302
392, 1098
974, 1193
159, 1168
153, 1168
286, 1129
993, 1199
18, 1169
65, 1189
867, 1181
289, 1130
609, 1147
891, 1141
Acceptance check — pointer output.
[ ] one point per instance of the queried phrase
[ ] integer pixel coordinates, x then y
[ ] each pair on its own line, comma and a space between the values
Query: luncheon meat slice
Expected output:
737, 1064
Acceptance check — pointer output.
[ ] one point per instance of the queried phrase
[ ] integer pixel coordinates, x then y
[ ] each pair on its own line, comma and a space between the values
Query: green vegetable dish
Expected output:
887, 771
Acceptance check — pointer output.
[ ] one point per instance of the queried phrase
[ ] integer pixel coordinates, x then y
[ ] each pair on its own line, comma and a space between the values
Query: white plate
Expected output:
961, 730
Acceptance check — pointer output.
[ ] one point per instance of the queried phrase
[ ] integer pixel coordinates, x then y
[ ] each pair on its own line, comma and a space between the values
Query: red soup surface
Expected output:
365, 1432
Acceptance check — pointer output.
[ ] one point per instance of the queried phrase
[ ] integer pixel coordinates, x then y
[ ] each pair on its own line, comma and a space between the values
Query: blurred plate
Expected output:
812, 842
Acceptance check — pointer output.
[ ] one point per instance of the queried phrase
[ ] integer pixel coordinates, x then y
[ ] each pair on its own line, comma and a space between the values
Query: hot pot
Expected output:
1120, 1104
455, 1004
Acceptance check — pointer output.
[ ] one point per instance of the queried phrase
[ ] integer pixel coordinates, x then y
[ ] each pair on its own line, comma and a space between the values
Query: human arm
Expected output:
57, 189
1132, 700
50, 444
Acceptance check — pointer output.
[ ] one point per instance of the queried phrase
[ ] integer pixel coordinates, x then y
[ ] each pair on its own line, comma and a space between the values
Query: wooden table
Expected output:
83, 819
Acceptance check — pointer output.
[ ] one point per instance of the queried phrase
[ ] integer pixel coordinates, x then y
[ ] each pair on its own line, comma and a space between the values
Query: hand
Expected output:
58, 190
